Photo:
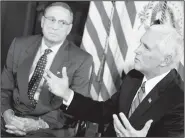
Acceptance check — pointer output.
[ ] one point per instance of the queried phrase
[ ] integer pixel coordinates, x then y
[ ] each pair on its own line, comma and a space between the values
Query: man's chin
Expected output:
54, 41
137, 67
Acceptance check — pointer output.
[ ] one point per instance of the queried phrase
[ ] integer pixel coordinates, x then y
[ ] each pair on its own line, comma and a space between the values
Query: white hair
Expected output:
171, 42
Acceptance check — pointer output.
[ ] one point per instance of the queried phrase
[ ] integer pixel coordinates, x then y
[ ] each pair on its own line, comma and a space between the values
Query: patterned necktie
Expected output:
37, 76
137, 99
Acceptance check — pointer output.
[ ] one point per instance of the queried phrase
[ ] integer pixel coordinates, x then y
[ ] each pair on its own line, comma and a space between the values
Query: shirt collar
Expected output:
54, 48
150, 84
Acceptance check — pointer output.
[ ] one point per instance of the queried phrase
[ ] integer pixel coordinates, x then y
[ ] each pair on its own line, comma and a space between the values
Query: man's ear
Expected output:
69, 29
167, 61
42, 21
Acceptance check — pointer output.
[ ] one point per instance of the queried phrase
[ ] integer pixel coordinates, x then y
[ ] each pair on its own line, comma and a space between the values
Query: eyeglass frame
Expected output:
59, 21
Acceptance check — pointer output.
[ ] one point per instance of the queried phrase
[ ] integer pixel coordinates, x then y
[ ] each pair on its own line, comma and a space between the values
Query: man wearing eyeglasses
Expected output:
27, 106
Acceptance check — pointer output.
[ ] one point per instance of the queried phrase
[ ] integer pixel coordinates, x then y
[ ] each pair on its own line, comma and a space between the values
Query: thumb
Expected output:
147, 126
64, 72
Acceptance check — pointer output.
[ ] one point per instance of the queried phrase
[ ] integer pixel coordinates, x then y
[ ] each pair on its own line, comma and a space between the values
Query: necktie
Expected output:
37, 76
137, 99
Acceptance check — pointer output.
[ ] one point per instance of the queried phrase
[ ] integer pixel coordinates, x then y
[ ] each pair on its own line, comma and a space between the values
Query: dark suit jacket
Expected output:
14, 84
166, 107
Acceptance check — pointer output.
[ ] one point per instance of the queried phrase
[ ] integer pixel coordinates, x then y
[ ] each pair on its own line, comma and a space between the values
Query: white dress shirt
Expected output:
50, 58
149, 85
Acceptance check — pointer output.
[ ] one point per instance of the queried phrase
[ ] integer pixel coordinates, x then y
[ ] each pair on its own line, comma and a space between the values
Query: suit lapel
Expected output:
60, 59
152, 97
24, 69
128, 92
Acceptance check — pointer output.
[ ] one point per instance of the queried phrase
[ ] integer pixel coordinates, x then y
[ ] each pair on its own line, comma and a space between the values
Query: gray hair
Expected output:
61, 4
171, 42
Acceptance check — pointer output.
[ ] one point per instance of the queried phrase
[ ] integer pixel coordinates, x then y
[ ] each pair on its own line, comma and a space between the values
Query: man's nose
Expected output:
138, 50
56, 26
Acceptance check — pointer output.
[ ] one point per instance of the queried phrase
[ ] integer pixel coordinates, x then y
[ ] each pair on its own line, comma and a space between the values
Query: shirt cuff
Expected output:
70, 99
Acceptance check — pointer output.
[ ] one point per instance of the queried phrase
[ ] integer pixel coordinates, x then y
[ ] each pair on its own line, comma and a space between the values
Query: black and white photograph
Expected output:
92, 68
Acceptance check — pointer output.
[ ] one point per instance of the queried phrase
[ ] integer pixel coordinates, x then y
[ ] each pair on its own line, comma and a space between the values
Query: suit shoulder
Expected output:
30, 38
23, 42
135, 74
78, 52
179, 83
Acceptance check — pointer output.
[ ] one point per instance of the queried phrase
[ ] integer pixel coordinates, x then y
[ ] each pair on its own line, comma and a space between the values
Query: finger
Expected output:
16, 132
125, 121
20, 118
14, 128
48, 80
47, 77
21, 133
50, 74
115, 128
64, 72
118, 133
17, 123
10, 131
11, 127
147, 126
118, 125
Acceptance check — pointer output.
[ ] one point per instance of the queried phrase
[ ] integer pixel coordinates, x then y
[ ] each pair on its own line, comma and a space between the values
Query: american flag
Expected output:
112, 31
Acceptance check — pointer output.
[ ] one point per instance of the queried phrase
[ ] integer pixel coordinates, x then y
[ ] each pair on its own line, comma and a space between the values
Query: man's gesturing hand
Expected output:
127, 130
58, 86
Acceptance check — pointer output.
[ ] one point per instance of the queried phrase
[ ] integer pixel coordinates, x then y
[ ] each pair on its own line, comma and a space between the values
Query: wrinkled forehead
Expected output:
58, 12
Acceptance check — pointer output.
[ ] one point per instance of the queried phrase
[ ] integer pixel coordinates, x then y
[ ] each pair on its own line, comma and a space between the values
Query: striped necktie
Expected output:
37, 76
138, 99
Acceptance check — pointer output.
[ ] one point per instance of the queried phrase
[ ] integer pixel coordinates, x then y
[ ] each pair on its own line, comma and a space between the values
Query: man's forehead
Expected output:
153, 36
57, 9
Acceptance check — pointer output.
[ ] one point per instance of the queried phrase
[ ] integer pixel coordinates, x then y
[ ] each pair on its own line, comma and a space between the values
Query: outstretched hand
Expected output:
57, 86
127, 130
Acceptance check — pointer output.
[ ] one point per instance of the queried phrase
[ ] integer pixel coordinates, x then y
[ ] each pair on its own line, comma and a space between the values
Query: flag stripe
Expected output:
113, 45
110, 58
104, 95
119, 34
94, 93
89, 46
131, 35
103, 14
113, 68
131, 11
94, 36
92, 33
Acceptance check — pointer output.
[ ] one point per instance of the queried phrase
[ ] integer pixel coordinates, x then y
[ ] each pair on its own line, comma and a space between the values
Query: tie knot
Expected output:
47, 51
143, 86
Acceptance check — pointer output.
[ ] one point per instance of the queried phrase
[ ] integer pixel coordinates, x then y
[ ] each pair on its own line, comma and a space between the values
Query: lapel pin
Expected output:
149, 100
58, 72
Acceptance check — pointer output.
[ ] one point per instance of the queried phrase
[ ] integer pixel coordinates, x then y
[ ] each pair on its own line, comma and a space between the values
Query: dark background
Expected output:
22, 18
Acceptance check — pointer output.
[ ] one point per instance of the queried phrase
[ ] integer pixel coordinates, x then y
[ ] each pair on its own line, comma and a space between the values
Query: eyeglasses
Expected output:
52, 20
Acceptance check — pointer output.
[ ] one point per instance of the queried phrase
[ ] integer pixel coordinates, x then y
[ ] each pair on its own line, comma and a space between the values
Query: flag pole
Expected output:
102, 64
